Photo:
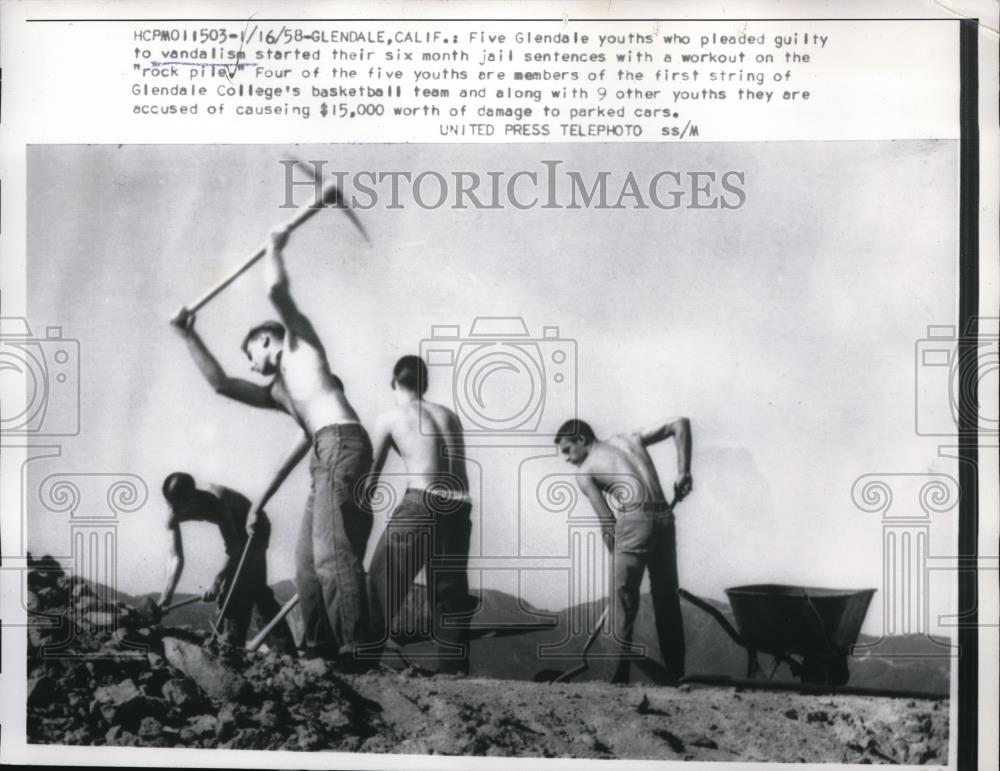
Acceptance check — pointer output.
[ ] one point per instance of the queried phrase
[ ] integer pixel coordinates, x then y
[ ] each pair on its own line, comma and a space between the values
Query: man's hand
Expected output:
150, 611
214, 590
683, 487
183, 322
253, 519
278, 239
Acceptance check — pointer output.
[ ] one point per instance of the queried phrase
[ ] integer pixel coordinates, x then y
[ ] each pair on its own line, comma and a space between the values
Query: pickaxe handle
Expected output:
330, 197
257, 641
232, 585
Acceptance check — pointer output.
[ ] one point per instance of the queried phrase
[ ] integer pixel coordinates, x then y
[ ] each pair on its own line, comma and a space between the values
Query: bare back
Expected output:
428, 437
623, 470
224, 508
308, 391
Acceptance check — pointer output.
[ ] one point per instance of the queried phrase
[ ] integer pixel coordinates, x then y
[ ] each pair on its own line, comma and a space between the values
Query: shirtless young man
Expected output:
431, 525
619, 479
334, 532
227, 510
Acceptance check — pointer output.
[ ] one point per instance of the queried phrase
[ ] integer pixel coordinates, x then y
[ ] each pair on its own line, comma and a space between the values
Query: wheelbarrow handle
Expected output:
714, 613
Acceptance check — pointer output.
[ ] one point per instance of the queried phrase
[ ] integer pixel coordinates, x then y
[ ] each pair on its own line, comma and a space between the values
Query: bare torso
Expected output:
428, 437
623, 470
224, 508
308, 391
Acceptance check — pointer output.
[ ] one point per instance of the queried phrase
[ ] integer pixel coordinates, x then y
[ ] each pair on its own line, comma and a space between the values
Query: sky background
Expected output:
785, 330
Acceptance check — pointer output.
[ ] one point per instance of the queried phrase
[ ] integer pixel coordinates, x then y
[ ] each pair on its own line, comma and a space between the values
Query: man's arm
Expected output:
175, 565
589, 488
456, 457
240, 390
299, 449
680, 430
297, 325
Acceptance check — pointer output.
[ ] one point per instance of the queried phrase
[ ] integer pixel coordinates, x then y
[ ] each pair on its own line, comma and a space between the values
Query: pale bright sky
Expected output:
785, 330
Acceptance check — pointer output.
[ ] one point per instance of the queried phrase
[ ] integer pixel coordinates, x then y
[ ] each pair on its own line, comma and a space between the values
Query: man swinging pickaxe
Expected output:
336, 525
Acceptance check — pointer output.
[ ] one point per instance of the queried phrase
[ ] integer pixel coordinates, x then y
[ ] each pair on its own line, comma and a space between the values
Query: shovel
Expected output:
182, 603
558, 676
554, 675
217, 624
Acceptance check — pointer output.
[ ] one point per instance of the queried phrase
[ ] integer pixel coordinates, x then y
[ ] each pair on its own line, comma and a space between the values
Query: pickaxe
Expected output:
331, 197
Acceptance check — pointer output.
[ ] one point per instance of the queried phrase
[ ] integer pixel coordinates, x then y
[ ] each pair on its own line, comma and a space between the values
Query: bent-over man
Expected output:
227, 510
619, 479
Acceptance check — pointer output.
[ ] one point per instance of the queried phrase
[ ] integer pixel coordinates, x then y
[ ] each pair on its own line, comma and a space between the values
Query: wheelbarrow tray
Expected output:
779, 619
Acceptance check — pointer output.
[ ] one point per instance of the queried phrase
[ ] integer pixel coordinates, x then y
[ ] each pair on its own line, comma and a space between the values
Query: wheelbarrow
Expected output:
810, 629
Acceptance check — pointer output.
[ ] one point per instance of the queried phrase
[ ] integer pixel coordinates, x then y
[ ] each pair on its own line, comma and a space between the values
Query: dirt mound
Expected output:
99, 675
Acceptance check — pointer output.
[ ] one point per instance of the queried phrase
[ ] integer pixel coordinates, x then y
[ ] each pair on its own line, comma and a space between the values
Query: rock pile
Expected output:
99, 673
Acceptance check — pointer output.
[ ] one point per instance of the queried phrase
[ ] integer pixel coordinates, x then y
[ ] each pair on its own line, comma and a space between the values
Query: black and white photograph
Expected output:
461, 385
551, 451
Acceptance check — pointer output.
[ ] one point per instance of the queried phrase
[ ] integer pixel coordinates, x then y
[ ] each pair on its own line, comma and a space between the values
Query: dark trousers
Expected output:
253, 594
646, 538
426, 531
329, 572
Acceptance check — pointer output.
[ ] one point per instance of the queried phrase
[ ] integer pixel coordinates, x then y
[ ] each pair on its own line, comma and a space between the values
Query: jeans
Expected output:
645, 538
329, 572
425, 531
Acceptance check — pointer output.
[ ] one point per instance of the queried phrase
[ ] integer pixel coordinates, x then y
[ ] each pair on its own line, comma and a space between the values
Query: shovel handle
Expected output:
232, 585
597, 629
181, 604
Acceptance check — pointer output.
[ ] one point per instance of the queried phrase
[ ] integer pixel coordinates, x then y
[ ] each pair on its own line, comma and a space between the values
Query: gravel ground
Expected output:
116, 682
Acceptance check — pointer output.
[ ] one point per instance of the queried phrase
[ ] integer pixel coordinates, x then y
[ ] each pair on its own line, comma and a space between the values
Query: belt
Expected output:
347, 429
445, 502
653, 507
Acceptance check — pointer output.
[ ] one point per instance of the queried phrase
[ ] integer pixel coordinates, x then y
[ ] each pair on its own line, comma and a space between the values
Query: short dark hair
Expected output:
178, 486
575, 429
411, 373
274, 328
